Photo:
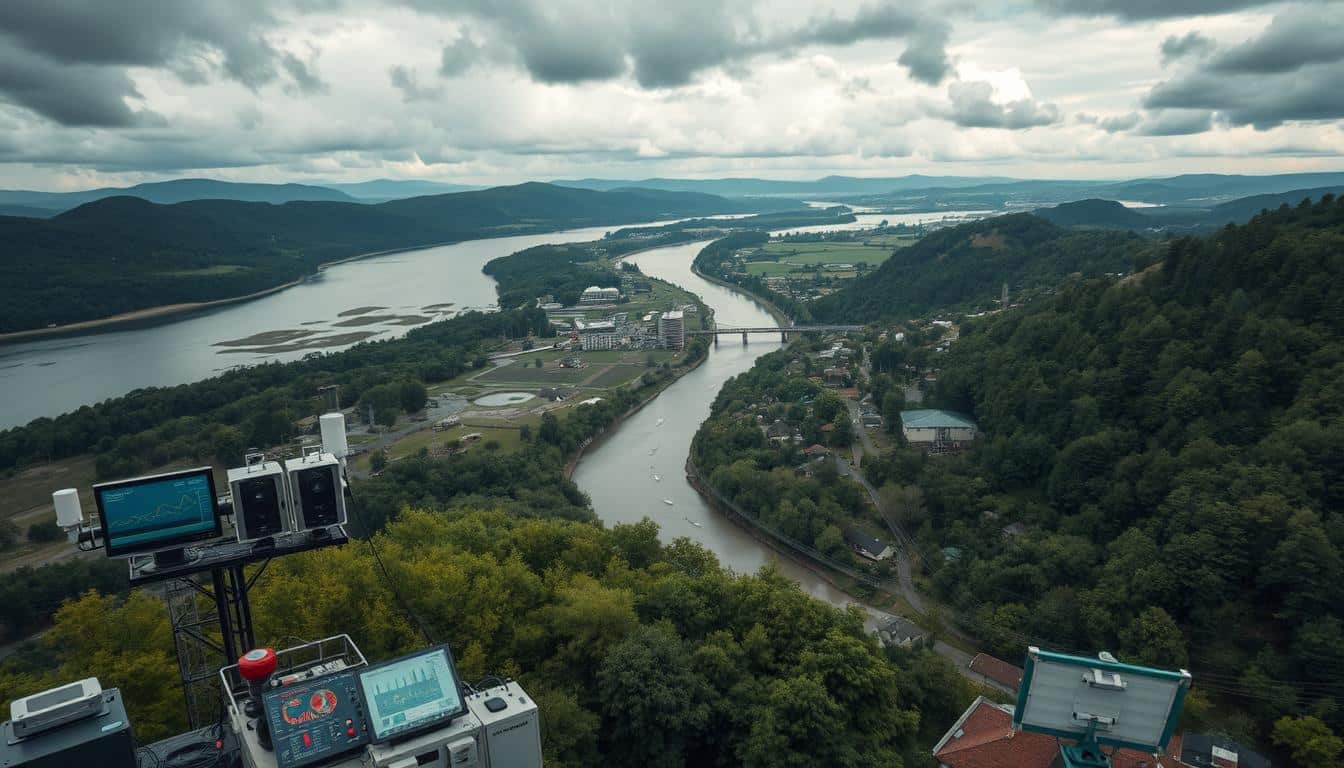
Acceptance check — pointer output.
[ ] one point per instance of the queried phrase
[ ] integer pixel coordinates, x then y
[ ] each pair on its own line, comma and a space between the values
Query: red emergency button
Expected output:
307, 740
350, 732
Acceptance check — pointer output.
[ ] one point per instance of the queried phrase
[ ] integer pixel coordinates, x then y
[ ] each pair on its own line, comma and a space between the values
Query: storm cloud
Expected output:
666, 45
1290, 72
973, 106
1146, 9
1191, 43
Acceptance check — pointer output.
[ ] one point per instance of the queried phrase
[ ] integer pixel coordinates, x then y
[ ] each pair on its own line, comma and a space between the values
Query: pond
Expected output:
504, 398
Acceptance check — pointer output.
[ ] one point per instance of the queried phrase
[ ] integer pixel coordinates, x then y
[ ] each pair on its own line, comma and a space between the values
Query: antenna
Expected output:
1098, 702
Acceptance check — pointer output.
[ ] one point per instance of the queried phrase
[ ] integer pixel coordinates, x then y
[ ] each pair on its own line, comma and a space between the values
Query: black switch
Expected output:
495, 704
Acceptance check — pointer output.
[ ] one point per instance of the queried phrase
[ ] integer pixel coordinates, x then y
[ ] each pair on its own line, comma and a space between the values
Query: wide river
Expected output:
50, 377
619, 473
46, 378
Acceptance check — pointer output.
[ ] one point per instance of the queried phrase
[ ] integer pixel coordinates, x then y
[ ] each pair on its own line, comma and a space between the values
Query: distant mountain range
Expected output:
913, 194
826, 186
1095, 213
123, 254
167, 192
382, 190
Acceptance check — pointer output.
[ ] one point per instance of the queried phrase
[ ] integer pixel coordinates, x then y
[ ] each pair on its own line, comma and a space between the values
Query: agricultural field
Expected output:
872, 251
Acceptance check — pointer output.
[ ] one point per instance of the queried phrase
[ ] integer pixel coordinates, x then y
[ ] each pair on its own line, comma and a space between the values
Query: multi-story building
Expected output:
672, 329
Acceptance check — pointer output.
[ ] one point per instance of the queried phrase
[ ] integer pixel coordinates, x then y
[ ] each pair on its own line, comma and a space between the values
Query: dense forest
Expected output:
968, 265
1173, 443
122, 254
638, 653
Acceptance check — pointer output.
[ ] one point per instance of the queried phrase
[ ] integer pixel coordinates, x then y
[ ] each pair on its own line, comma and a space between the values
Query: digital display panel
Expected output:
149, 514
411, 694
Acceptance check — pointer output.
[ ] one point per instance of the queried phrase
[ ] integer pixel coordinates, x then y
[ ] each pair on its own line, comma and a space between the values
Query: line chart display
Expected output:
156, 510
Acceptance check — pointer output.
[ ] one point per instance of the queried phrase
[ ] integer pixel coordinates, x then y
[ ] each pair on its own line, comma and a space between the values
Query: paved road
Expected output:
903, 554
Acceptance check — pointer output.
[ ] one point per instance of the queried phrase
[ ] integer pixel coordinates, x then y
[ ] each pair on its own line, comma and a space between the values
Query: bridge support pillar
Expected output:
716, 339
744, 337
784, 336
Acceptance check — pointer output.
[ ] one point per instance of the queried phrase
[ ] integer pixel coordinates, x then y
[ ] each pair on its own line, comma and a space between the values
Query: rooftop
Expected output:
934, 419
997, 670
983, 737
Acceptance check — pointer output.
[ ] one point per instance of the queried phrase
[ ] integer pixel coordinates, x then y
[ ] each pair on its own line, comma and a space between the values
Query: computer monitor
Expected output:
157, 513
411, 694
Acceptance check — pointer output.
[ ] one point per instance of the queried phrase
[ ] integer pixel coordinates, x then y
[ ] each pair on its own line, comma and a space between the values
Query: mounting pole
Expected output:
1086, 753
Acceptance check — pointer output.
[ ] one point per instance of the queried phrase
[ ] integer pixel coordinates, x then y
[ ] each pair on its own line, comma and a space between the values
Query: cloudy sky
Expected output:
97, 92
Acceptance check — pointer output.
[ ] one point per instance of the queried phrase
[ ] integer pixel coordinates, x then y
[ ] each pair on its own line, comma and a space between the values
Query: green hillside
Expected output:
1174, 446
122, 254
970, 263
1095, 214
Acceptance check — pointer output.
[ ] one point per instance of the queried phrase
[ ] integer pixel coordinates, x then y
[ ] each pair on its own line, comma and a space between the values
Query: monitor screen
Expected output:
149, 514
411, 694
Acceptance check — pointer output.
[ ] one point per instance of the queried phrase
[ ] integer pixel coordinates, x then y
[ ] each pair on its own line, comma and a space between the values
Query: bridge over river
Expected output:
782, 330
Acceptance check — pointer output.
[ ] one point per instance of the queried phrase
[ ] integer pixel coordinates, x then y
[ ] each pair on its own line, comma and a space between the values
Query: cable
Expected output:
387, 578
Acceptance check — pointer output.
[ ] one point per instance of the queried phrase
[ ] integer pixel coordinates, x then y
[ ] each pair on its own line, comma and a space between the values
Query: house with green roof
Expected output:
936, 431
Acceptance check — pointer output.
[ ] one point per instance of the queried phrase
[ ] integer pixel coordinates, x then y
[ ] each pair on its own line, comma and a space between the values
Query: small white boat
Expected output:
692, 522
652, 451
668, 502
657, 478
661, 420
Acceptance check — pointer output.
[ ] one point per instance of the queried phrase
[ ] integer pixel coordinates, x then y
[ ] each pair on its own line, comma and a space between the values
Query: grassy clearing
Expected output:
525, 373
617, 375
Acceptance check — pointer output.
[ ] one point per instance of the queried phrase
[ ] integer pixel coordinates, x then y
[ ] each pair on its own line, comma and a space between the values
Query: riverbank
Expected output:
781, 319
150, 316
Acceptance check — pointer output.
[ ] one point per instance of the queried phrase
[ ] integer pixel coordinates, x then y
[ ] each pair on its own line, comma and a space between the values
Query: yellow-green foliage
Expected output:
639, 654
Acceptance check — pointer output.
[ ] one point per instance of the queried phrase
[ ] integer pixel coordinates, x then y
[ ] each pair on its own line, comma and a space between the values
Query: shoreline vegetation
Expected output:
151, 316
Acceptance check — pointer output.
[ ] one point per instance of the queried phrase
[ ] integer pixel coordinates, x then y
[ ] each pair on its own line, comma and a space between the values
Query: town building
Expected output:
935, 431
595, 334
592, 295
1200, 750
983, 737
868, 546
672, 329
997, 671
900, 632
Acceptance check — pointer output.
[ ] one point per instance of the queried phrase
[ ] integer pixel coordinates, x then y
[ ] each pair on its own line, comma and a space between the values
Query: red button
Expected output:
307, 740
350, 732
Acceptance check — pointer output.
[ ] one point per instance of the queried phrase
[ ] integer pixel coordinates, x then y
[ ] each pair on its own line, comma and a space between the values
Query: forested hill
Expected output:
174, 191
123, 254
970, 263
1174, 444
1095, 213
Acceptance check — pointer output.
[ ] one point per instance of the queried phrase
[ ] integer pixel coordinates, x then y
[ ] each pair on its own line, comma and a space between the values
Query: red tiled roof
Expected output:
987, 740
997, 670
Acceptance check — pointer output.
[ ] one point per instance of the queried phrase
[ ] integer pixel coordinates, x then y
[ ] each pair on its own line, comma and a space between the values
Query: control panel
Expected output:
315, 719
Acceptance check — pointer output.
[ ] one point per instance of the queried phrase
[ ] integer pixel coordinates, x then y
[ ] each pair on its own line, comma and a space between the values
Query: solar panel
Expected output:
1127, 706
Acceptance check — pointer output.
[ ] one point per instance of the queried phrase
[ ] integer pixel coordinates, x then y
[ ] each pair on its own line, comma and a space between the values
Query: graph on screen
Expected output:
145, 512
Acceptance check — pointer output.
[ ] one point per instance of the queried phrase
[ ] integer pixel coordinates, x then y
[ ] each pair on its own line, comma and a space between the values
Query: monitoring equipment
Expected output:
510, 725
40, 712
69, 513
325, 706
158, 514
314, 720
411, 694
333, 434
69, 725
261, 506
1098, 702
317, 493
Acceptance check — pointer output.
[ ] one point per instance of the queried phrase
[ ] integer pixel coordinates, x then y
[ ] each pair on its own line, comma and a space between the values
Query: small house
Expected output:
868, 546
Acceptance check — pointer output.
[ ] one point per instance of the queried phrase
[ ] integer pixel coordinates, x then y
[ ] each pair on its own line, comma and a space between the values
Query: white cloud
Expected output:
368, 90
